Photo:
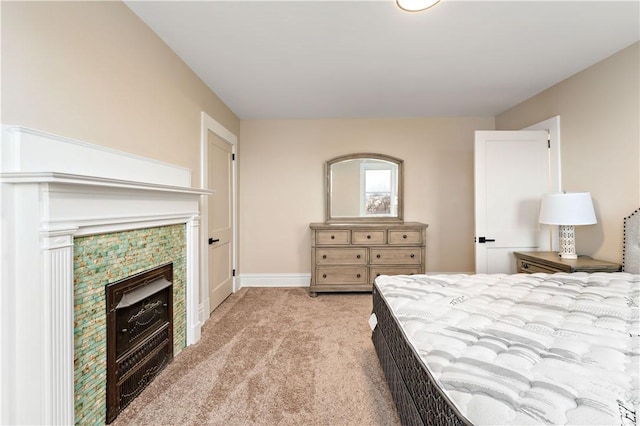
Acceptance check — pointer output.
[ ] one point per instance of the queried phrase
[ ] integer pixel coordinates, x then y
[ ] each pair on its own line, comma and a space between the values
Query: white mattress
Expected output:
526, 349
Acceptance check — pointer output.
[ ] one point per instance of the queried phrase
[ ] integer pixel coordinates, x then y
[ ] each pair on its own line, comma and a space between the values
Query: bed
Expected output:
517, 349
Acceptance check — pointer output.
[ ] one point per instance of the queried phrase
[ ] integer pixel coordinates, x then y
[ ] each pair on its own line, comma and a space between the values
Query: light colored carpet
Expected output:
274, 356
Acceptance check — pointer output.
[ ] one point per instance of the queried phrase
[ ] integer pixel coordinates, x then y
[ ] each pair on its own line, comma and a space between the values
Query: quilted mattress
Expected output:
526, 349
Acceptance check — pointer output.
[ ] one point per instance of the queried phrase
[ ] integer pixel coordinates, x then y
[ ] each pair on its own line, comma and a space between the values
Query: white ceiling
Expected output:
327, 59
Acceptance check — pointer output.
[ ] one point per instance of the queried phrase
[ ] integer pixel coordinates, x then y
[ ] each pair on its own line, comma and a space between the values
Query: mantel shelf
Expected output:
66, 178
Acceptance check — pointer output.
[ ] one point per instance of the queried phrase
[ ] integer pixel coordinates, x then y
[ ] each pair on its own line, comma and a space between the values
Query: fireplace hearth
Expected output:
139, 334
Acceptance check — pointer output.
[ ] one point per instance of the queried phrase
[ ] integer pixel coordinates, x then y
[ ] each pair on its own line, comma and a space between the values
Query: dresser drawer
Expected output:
405, 237
341, 256
531, 268
369, 237
339, 236
341, 275
396, 256
376, 271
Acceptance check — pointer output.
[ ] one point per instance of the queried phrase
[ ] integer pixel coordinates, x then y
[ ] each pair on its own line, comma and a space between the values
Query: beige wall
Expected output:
282, 186
94, 71
600, 149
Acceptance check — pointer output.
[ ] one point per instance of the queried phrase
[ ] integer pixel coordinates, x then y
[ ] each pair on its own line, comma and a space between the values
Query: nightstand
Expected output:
549, 261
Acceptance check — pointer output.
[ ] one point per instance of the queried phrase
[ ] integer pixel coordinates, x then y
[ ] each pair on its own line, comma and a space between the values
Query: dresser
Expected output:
348, 257
550, 262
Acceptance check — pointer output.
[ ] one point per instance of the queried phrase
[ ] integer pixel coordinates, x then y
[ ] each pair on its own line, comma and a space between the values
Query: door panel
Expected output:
220, 220
511, 175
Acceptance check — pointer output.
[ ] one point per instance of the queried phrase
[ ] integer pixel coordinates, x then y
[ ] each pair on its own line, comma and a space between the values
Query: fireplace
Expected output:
139, 334
70, 228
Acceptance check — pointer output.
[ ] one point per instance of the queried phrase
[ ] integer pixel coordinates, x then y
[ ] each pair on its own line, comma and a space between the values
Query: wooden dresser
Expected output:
348, 257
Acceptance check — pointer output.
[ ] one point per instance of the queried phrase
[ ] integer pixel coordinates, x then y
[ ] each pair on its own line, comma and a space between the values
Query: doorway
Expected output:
513, 169
218, 214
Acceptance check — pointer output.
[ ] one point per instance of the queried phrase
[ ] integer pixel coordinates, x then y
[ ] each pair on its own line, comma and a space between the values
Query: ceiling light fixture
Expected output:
416, 5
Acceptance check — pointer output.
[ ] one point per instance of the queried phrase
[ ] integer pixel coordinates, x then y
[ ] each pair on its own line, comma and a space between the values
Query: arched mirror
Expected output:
364, 187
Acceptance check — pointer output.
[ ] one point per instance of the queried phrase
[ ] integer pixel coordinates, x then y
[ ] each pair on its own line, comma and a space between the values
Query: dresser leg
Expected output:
313, 294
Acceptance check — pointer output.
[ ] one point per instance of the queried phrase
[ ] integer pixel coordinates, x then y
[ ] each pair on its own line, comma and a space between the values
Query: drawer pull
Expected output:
357, 256
333, 237
324, 275
525, 266
404, 236
378, 256
357, 275
324, 256
412, 255
368, 237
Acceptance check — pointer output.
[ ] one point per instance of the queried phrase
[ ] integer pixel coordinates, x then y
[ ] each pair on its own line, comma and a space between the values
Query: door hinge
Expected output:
233, 157
549, 143
233, 273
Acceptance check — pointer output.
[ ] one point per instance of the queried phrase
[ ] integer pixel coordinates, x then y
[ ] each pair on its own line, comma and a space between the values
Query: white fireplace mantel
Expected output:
53, 189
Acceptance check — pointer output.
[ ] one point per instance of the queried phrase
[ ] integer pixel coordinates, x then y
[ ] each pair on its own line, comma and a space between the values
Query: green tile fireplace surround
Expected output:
99, 260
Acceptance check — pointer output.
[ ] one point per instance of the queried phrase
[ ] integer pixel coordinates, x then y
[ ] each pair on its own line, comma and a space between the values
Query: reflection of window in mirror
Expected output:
378, 195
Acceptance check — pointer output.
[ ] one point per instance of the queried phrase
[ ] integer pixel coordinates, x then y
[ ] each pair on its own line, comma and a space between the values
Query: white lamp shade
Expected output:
574, 208
416, 5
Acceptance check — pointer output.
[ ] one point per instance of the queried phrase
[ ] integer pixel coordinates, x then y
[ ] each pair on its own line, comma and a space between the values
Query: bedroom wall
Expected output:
94, 71
282, 186
599, 112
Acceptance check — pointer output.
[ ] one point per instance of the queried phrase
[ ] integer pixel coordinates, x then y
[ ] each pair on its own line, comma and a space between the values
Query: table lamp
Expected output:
567, 210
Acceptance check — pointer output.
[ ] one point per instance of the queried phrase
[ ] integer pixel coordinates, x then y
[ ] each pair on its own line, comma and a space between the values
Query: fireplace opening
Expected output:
139, 334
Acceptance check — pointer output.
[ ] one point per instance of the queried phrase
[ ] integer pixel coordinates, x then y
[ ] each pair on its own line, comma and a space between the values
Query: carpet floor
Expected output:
274, 356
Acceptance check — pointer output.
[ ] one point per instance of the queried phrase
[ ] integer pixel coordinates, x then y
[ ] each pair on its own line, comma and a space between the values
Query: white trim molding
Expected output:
29, 150
46, 201
274, 280
552, 125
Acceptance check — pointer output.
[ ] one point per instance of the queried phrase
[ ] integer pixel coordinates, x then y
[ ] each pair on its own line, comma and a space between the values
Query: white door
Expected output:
220, 219
512, 172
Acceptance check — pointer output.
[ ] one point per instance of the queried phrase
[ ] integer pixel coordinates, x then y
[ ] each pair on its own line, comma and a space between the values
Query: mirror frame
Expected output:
364, 155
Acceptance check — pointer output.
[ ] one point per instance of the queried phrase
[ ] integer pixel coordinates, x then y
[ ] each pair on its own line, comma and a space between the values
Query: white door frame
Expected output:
552, 125
209, 124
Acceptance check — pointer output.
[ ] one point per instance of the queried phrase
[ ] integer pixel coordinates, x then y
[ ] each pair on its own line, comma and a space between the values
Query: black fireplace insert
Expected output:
139, 334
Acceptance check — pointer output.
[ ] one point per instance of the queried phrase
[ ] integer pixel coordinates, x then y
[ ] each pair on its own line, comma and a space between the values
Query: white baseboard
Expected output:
274, 280
292, 280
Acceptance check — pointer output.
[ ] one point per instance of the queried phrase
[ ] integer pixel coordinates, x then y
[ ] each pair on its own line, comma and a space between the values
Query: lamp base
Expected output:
567, 242
568, 255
